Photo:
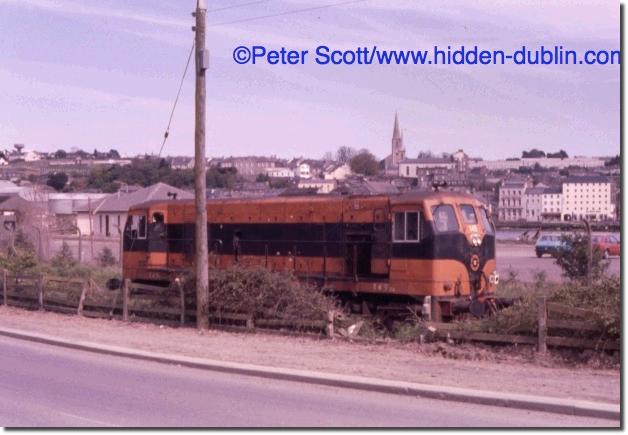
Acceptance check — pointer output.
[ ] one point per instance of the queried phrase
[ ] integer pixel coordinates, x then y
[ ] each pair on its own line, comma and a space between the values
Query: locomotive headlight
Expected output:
494, 278
475, 240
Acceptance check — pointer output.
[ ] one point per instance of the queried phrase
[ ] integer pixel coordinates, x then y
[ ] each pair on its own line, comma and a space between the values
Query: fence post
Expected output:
542, 324
5, 298
329, 330
40, 290
86, 284
250, 322
181, 300
125, 300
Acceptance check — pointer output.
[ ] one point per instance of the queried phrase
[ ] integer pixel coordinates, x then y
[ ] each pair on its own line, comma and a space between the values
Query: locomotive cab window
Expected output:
136, 227
406, 226
157, 226
444, 218
468, 214
486, 221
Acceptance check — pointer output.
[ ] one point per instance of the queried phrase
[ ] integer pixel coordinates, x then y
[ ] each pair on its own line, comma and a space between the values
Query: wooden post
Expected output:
114, 303
181, 300
542, 324
86, 284
5, 297
40, 291
329, 330
125, 300
250, 322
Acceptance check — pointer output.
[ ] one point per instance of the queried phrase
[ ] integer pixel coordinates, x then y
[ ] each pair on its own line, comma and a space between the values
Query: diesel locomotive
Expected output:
433, 250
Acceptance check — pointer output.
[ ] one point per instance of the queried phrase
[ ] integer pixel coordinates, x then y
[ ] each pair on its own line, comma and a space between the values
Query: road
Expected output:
522, 260
43, 386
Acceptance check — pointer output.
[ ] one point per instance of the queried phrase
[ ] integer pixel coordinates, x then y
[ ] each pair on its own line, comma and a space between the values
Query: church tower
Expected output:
398, 150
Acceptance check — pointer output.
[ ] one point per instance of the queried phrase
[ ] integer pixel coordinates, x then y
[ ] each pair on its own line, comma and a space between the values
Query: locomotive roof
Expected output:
405, 198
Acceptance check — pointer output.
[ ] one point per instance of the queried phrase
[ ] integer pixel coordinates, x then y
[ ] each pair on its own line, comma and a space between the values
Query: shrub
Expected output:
602, 299
18, 261
263, 294
574, 259
64, 259
106, 258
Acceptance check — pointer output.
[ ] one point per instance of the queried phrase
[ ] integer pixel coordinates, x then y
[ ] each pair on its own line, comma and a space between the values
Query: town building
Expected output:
543, 162
304, 170
511, 200
552, 204
250, 166
587, 197
279, 172
336, 171
321, 186
533, 203
452, 170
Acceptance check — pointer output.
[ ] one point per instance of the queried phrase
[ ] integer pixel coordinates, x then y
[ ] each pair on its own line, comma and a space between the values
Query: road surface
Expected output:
43, 386
522, 260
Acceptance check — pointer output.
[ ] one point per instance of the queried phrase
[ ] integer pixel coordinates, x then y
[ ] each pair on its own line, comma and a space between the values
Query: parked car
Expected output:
549, 244
608, 244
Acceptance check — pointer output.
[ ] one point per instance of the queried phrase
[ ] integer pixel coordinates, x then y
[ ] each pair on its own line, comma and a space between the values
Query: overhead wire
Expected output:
226, 8
290, 12
176, 100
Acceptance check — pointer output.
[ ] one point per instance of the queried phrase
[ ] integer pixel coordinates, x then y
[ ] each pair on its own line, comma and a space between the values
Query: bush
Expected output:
106, 258
64, 260
574, 259
18, 261
263, 294
602, 299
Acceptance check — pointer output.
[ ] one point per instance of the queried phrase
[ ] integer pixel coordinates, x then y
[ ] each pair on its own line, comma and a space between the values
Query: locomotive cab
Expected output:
145, 241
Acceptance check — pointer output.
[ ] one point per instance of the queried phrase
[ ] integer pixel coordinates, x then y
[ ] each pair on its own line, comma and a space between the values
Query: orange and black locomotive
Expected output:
378, 250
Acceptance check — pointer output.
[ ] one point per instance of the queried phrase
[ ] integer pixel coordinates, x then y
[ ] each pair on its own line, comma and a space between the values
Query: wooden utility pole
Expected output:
202, 60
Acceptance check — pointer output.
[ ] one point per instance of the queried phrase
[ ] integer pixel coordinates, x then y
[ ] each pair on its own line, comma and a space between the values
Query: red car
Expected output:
608, 244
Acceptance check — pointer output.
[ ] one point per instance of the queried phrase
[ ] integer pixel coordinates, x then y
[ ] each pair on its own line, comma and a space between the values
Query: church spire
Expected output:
397, 130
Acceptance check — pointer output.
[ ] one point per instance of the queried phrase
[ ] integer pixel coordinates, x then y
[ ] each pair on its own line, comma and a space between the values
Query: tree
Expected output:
262, 178
64, 259
18, 260
425, 155
559, 155
533, 154
345, 154
61, 154
57, 180
364, 163
113, 154
573, 258
612, 162
221, 177
106, 258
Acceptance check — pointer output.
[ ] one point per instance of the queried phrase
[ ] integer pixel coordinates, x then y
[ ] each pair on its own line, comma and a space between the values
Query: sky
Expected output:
104, 74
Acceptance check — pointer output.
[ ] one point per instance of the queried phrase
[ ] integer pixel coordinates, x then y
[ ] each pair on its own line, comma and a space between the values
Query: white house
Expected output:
304, 171
322, 186
336, 171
